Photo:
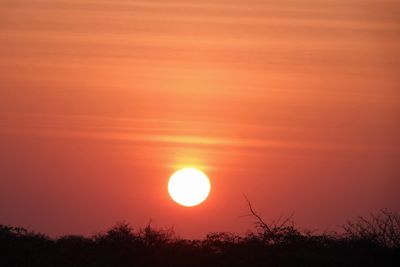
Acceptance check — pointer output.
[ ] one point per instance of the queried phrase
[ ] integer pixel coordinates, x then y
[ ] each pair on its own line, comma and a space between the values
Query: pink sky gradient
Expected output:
294, 103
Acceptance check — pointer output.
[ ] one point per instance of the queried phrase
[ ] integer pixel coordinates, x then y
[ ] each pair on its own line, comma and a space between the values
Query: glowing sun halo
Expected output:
189, 187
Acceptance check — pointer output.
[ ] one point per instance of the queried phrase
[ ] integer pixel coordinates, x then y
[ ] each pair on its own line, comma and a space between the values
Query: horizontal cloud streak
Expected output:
161, 132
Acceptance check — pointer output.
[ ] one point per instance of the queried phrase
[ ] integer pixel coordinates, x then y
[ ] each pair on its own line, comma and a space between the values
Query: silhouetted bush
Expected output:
382, 229
370, 241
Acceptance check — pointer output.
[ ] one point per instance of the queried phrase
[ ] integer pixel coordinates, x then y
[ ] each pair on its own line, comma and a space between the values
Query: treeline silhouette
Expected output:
372, 241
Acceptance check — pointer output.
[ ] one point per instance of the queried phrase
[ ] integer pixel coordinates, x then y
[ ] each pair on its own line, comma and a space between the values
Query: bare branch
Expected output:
260, 221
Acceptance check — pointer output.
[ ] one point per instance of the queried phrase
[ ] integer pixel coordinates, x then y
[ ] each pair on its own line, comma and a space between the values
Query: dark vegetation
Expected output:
372, 241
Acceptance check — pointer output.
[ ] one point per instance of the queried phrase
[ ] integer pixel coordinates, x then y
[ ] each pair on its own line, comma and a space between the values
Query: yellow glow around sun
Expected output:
189, 187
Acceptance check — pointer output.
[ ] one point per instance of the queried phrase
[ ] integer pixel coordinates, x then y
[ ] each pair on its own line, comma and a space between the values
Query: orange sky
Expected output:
293, 102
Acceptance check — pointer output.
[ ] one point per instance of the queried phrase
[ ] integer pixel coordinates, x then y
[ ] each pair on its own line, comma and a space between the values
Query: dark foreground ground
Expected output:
365, 242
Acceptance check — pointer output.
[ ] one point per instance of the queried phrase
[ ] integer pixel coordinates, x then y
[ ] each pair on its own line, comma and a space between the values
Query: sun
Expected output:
189, 187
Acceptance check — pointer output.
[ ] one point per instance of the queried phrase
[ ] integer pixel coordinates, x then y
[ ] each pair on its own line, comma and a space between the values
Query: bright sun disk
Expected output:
189, 187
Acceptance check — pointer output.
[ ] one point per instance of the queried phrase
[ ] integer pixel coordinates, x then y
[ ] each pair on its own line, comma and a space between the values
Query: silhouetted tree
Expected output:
372, 241
382, 228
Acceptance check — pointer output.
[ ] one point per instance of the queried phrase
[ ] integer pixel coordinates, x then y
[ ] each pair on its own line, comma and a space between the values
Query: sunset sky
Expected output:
295, 103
